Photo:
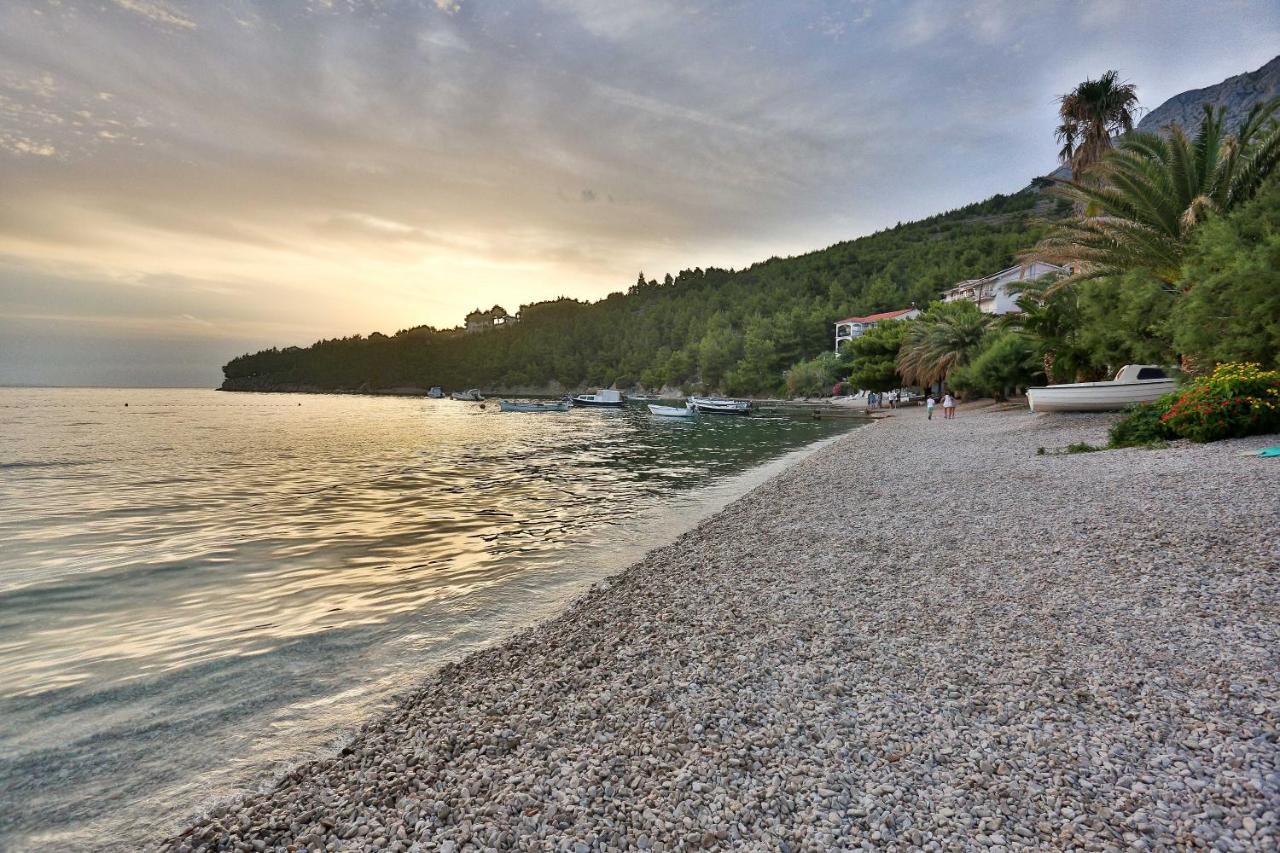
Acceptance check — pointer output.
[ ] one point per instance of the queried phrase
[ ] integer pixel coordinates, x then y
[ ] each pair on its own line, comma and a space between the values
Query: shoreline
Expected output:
990, 685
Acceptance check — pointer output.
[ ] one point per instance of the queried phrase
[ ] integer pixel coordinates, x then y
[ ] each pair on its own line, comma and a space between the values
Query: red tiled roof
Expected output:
875, 318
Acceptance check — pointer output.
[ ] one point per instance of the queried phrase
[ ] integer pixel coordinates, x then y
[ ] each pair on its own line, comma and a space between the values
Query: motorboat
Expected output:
1134, 383
509, 406
707, 405
436, 392
471, 395
672, 411
605, 397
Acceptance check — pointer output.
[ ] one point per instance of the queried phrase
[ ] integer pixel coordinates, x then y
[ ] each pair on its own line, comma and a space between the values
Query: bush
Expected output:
1143, 424
814, 378
1232, 271
1006, 362
1235, 400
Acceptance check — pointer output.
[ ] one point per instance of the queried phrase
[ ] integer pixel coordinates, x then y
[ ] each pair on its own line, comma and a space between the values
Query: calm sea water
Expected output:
200, 589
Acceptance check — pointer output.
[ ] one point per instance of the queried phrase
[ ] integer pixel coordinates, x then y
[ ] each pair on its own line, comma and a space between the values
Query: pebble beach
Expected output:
925, 635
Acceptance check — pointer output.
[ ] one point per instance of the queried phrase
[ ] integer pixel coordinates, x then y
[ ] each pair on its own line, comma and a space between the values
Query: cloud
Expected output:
320, 168
157, 12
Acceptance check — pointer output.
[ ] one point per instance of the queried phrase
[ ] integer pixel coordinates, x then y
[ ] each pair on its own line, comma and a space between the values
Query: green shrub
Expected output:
1081, 447
813, 378
1143, 424
1006, 362
1235, 400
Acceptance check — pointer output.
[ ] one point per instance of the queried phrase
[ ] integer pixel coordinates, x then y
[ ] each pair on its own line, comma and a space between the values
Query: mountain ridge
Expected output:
1237, 94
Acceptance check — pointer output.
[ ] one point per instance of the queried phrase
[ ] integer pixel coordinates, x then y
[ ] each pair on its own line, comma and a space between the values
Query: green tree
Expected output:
1006, 362
1153, 191
1051, 319
1123, 321
945, 337
1232, 275
718, 351
814, 377
870, 359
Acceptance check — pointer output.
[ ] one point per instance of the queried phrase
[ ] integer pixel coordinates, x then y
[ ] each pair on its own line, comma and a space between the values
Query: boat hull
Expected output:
505, 406
671, 411
1096, 396
598, 404
721, 407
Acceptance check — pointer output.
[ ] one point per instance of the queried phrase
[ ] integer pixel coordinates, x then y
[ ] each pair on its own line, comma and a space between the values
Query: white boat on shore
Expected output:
471, 395
604, 398
672, 411
435, 393
510, 406
1134, 383
711, 406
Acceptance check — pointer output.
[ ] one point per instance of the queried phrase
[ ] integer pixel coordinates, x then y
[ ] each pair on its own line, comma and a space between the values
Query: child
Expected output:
948, 407
929, 403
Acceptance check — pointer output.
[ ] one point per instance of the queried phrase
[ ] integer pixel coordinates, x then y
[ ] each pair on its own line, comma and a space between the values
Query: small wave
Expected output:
46, 463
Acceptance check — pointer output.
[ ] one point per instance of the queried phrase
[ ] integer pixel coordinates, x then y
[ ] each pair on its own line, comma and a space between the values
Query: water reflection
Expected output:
201, 584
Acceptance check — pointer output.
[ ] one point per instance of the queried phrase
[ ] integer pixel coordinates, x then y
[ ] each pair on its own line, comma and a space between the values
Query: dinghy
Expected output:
1134, 383
471, 395
710, 406
509, 406
672, 411
435, 393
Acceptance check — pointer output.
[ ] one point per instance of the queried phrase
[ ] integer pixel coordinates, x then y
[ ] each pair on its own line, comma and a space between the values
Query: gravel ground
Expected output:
925, 636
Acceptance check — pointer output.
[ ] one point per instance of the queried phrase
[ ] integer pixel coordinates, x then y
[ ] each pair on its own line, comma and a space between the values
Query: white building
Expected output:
998, 293
853, 327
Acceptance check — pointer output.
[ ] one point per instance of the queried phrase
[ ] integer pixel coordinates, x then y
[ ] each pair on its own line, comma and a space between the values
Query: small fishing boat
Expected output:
709, 406
605, 397
509, 406
1134, 383
436, 392
471, 395
672, 411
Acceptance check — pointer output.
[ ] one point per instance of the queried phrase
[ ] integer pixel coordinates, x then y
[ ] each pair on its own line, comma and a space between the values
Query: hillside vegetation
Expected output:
714, 329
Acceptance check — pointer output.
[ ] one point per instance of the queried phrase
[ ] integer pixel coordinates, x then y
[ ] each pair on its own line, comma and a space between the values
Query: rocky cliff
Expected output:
1238, 94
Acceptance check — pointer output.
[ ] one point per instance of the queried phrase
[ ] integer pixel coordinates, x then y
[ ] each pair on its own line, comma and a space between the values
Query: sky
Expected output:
182, 181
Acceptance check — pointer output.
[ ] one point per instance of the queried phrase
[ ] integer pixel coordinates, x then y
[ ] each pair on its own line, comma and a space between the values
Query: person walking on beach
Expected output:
948, 407
929, 403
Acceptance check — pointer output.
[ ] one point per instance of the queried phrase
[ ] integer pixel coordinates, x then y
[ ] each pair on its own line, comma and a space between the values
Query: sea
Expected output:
199, 590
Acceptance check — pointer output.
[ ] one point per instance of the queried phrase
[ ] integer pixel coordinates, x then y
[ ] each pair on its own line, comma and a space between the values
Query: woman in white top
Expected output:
948, 407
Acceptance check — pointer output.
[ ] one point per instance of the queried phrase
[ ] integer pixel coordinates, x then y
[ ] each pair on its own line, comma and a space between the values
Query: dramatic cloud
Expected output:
197, 177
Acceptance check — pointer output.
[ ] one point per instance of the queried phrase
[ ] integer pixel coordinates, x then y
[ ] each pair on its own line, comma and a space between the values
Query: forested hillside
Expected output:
713, 329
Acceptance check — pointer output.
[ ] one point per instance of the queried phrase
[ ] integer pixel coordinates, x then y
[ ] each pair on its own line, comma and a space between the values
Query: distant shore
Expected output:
925, 633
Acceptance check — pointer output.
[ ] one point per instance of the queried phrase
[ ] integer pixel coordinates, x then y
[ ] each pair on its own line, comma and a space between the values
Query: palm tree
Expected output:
1092, 113
1049, 318
1152, 191
943, 338
1067, 134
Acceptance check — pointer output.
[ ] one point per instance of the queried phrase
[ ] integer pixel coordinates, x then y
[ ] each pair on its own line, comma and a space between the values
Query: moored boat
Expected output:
711, 406
672, 411
1134, 383
471, 395
436, 392
605, 397
509, 406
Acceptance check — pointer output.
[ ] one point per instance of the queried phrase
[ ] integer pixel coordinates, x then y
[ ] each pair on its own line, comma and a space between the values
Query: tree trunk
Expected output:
1048, 367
